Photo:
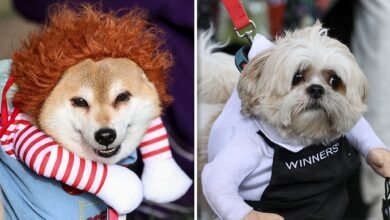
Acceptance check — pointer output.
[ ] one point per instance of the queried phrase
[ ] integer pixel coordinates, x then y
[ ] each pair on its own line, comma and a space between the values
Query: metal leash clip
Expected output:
244, 27
241, 56
248, 34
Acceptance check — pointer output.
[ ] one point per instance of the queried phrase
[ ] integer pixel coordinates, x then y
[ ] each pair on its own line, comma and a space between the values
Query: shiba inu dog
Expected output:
89, 88
101, 110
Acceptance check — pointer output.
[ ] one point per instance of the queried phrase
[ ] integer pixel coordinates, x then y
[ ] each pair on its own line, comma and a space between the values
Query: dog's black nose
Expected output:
105, 136
315, 91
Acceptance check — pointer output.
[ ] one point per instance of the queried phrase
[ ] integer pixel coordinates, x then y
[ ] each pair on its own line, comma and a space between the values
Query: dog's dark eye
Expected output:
298, 77
123, 97
334, 81
79, 102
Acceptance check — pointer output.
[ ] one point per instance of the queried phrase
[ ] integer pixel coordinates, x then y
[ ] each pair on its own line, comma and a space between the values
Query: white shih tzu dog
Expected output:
306, 77
285, 141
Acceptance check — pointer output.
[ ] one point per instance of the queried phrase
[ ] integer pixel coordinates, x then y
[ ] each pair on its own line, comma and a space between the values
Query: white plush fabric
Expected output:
164, 181
120, 185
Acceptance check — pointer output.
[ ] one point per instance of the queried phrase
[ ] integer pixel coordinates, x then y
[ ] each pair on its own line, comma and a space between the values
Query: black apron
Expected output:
309, 184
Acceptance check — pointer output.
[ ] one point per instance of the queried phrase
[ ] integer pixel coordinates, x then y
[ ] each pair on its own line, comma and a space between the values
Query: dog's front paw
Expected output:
164, 181
122, 189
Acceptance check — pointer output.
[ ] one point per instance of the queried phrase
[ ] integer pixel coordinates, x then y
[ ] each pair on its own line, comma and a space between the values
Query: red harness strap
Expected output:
112, 214
240, 19
4, 106
237, 13
5, 121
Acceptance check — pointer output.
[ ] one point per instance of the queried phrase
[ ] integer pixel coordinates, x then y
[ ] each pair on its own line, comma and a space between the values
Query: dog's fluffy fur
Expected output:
100, 84
98, 58
217, 77
266, 90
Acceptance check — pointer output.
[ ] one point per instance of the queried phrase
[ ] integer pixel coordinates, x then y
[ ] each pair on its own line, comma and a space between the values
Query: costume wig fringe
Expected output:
71, 36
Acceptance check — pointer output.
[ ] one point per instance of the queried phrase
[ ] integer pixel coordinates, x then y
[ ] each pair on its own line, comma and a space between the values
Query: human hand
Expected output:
254, 215
379, 160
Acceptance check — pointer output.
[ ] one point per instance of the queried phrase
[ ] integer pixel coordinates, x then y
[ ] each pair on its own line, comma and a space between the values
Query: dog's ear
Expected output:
361, 83
364, 91
249, 85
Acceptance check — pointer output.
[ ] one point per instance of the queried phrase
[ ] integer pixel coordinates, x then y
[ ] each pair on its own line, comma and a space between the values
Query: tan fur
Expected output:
99, 76
93, 81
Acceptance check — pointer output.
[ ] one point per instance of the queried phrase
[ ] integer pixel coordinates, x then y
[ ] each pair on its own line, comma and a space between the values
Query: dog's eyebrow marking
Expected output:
341, 88
304, 72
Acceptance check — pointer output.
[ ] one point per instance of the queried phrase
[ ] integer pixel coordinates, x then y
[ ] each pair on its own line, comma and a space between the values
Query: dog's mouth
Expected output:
108, 152
315, 105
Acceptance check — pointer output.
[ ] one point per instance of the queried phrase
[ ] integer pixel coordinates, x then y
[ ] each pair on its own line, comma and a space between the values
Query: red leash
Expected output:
240, 18
243, 26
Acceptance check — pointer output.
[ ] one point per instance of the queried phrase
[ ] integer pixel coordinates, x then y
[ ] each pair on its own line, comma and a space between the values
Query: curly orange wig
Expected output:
72, 36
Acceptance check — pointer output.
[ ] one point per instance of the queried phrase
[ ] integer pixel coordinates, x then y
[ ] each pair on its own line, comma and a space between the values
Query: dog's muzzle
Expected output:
314, 105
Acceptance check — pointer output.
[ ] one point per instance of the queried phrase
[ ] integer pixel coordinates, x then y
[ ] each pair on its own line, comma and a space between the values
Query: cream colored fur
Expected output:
99, 83
217, 77
266, 91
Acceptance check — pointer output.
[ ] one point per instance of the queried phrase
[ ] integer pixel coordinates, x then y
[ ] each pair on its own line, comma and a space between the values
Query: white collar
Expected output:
260, 43
273, 135
270, 131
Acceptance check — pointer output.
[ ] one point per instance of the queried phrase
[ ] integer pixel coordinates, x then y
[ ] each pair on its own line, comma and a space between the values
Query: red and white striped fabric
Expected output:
154, 144
24, 141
